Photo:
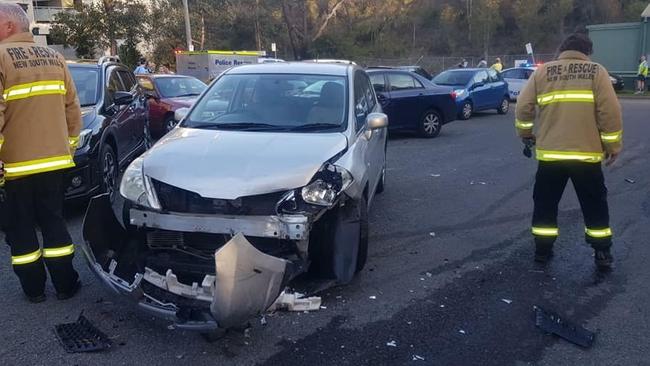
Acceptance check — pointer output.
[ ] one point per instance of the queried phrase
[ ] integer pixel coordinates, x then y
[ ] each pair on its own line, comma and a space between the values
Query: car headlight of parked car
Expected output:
459, 92
136, 188
84, 138
326, 186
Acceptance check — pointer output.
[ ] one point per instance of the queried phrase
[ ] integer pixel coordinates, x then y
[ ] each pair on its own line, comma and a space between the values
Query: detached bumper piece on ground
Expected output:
554, 324
81, 336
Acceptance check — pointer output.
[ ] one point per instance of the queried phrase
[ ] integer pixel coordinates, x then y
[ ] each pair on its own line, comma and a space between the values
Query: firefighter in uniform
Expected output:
40, 119
579, 125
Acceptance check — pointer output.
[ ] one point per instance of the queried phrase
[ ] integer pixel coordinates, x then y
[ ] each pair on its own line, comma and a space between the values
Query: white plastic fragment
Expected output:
429, 274
462, 332
435, 175
432, 234
373, 297
442, 305
507, 301
263, 320
391, 344
418, 358
296, 302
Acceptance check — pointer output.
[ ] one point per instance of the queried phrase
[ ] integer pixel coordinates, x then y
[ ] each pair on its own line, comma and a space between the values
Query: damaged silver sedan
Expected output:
269, 175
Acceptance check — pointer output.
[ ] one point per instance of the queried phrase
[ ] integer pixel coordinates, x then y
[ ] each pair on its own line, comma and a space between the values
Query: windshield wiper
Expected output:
315, 127
187, 95
241, 126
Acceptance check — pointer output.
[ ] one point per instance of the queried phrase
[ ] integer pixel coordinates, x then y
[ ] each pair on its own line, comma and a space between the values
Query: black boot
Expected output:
603, 259
543, 253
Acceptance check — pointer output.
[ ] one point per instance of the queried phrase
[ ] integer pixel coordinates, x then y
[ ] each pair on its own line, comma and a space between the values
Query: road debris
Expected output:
391, 344
418, 358
435, 175
462, 332
81, 336
630, 180
507, 301
442, 306
432, 234
263, 320
429, 274
554, 324
373, 297
295, 302
479, 183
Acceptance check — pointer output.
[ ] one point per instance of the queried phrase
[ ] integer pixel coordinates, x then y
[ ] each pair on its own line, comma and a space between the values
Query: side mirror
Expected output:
181, 113
477, 85
377, 121
122, 98
150, 94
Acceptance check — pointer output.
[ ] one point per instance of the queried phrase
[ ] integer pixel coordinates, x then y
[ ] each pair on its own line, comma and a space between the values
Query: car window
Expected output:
146, 84
402, 82
481, 77
378, 82
128, 80
494, 75
113, 85
527, 74
257, 102
361, 101
173, 87
453, 78
510, 74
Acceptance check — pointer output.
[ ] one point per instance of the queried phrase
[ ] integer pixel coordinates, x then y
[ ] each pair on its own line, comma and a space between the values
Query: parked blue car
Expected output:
476, 90
412, 102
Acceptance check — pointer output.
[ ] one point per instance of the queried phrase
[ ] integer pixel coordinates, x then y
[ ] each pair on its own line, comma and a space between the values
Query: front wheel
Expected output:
505, 106
466, 110
169, 124
109, 170
431, 124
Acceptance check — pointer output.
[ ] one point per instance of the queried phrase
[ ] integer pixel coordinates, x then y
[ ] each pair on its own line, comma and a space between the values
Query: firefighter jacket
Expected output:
40, 117
578, 113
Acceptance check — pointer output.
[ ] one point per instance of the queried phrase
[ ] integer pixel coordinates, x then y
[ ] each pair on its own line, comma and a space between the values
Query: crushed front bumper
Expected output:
245, 281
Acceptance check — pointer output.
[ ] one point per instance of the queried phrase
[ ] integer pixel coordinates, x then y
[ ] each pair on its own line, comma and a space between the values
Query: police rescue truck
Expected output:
207, 65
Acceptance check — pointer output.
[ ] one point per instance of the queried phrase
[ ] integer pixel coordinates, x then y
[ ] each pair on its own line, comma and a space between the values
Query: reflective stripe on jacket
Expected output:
573, 109
40, 117
643, 68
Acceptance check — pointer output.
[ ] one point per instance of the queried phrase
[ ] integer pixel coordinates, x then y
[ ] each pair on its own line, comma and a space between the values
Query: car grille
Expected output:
179, 200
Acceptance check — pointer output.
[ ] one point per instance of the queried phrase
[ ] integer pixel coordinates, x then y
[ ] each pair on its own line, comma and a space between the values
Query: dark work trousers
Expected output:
31, 202
589, 183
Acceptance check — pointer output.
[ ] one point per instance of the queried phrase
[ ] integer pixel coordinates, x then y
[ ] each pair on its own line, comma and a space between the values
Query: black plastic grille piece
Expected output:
553, 323
81, 336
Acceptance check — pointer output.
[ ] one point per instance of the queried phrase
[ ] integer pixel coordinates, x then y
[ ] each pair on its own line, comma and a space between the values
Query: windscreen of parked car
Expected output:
453, 77
172, 87
86, 81
289, 102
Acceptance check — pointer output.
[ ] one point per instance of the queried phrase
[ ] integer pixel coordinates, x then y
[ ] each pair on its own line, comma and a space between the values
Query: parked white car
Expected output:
517, 77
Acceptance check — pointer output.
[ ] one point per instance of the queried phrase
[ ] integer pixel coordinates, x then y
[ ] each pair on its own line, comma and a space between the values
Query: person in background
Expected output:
166, 69
151, 66
142, 67
462, 64
482, 63
498, 66
641, 76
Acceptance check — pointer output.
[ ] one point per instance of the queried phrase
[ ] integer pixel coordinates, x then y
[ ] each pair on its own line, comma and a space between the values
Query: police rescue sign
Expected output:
207, 65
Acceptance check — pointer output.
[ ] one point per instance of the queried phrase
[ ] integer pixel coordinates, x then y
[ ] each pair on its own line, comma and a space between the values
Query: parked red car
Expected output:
166, 94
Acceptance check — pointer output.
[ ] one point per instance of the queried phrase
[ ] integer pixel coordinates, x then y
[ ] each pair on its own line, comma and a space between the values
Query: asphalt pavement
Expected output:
450, 278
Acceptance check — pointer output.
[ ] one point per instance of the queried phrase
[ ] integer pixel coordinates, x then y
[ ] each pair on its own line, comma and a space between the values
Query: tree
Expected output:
78, 29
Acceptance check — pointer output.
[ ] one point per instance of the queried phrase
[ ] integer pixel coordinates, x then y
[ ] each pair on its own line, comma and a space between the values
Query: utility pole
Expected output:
188, 31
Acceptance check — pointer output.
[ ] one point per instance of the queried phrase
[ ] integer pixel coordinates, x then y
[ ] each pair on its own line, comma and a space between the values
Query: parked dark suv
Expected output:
114, 128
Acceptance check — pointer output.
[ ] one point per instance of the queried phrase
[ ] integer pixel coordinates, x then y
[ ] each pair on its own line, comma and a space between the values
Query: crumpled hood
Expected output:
233, 164
88, 115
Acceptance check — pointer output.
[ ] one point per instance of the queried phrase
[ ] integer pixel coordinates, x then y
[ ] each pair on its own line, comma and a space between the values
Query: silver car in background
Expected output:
264, 179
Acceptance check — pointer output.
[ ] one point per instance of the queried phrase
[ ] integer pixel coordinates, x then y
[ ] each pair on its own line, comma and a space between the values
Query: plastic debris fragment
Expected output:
391, 344
553, 323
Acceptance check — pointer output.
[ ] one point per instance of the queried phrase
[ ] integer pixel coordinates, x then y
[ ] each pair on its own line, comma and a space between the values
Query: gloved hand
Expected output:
2, 174
529, 142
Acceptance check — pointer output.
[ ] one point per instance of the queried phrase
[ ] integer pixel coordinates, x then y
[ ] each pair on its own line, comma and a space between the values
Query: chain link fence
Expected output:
436, 64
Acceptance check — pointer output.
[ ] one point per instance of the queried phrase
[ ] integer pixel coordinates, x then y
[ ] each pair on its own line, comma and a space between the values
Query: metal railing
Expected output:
45, 14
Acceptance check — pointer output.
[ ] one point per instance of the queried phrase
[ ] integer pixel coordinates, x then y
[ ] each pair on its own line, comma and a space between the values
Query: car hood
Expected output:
88, 116
233, 164
182, 101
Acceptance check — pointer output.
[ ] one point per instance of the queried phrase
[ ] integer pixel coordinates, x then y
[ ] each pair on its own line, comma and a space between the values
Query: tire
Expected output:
504, 107
169, 124
466, 110
430, 124
109, 170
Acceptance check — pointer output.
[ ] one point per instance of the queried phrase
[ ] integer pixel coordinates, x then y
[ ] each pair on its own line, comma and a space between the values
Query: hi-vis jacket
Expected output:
579, 114
40, 117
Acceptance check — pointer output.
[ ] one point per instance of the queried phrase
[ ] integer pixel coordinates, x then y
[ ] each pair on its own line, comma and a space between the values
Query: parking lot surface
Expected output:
450, 278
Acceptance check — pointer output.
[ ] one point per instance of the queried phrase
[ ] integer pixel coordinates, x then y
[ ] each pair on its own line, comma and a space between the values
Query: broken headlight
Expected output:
326, 186
135, 186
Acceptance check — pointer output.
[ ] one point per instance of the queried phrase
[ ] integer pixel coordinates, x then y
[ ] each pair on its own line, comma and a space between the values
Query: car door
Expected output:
119, 114
406, 94
136, 117
480, 90
156, 108
513, 78
498, 88
364, 104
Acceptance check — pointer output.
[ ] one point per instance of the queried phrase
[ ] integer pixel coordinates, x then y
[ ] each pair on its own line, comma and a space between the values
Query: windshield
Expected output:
289, 102
453, 78
171, 87
85, 81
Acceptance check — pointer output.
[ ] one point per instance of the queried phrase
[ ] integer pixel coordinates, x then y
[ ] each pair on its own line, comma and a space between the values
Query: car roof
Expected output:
162, 76
533, 68
335, 69
85, 65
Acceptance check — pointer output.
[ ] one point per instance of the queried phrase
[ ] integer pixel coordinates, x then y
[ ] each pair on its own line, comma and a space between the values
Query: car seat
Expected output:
329, 108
